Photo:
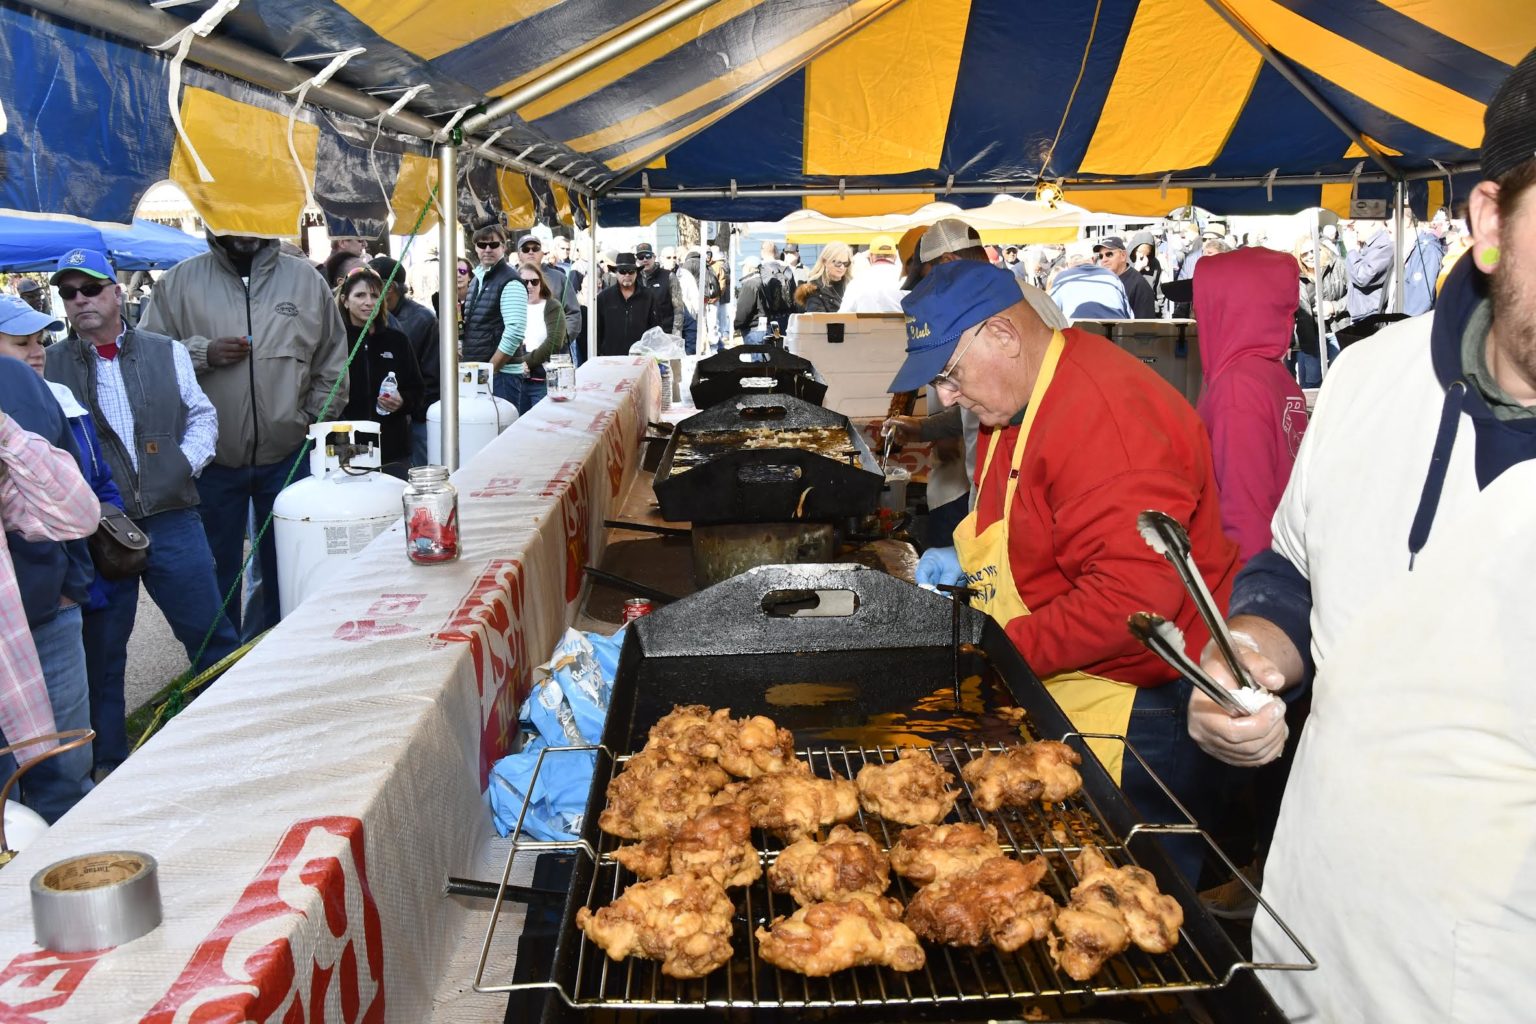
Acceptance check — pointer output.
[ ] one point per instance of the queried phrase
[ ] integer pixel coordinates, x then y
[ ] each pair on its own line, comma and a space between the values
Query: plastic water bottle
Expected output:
390, 387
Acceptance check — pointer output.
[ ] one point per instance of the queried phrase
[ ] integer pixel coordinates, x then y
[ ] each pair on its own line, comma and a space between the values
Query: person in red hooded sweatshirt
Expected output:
1255, 413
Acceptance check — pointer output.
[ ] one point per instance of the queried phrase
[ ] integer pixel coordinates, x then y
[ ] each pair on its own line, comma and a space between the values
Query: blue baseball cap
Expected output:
86, 261
18, 318
952, 299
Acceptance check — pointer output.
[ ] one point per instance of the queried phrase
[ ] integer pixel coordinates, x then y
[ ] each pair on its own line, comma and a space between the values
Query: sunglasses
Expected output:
90, 291
644, 256
463, 272
839, 263
532, 248
530, 282
626, 271
487, 245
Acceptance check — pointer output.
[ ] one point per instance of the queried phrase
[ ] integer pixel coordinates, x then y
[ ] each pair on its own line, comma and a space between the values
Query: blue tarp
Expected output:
31, 245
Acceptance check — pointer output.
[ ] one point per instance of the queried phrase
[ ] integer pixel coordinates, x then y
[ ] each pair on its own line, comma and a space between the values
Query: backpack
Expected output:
775, 293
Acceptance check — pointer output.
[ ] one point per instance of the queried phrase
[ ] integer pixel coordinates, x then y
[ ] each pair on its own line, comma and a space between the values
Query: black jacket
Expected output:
620, 322
420, 326
482, 314
386, 351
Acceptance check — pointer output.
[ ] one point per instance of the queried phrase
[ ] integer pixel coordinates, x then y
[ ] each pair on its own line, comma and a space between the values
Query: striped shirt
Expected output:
202, 433
42, 497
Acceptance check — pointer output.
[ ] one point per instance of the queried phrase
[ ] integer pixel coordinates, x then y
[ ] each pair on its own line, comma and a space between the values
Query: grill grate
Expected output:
952, 975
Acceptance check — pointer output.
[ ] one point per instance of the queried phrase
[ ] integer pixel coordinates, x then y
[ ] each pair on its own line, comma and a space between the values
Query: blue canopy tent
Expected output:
742, 109
542, 111
32, 244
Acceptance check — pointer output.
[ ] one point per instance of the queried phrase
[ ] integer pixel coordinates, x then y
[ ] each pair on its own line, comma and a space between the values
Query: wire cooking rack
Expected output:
1058, 832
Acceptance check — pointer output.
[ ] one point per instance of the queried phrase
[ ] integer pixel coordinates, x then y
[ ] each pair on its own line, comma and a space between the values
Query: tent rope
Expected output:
1082, 68
181, 690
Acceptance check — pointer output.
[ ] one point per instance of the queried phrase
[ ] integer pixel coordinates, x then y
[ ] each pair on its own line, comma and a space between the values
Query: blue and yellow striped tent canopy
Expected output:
738, 108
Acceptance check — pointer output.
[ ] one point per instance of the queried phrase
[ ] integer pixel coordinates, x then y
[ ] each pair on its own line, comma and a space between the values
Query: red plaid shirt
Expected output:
42, 497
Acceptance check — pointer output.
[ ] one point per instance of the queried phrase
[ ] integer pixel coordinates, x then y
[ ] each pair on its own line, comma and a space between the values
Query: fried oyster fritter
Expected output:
1033, 771
795, 803
1110, 908
682, 920
927, 853
912, 790
825, 938
655, 794
848, 862
996, 903
716, 844
746, 748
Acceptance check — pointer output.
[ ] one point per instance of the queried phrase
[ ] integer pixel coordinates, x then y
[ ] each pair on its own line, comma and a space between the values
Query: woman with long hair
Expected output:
520, 368
385, 351
823, 292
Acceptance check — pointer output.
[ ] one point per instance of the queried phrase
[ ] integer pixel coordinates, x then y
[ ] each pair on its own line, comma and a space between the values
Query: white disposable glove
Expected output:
1246, 742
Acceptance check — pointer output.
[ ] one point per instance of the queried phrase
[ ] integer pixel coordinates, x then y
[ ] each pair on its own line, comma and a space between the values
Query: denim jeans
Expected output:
224, 492
1160, 733
418, 443
755, 337
1310, 368
105, 633
690, 333
57, 784
523, 392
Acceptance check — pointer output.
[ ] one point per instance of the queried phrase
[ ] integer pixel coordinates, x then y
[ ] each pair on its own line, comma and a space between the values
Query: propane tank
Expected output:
321, 521
481, 415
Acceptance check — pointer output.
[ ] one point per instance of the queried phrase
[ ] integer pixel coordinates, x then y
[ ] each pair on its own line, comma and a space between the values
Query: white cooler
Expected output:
859, 368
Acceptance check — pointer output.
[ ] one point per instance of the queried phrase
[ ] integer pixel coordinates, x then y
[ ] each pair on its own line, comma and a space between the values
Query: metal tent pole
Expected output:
595, 57
1399, 229
594, 271
1317, 292
448, 302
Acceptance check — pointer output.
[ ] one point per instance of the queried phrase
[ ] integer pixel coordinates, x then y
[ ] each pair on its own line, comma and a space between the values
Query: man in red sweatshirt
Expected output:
1078, 437
1245, 302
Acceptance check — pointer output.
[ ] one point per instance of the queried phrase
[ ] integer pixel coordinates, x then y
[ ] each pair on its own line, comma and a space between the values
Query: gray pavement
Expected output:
154, 656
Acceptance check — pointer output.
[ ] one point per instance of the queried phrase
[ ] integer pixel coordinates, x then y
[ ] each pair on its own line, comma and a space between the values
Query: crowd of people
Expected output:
1371, 560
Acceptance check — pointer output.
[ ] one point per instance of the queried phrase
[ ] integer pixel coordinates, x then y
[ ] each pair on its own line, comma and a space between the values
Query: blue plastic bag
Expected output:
567, 707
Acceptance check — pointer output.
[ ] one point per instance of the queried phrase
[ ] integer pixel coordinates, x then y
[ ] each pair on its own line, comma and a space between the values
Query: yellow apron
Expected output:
1093, 703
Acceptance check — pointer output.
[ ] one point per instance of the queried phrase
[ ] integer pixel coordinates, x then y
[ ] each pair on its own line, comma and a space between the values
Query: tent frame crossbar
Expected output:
1022, 186
1301, 85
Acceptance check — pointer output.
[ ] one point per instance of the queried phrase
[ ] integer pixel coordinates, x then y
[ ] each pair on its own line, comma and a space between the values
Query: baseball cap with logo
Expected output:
948, 235
20, 319
1509, 123
644, 249
883, 245
28, 285
86, 261
952, 299
1110, 242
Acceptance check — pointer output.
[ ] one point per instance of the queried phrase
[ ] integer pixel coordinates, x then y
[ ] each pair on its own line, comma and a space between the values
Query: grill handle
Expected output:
887, 613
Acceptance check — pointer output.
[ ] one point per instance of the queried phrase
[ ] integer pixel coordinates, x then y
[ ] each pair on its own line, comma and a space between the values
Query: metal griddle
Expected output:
755, 369
767, 485
856, 684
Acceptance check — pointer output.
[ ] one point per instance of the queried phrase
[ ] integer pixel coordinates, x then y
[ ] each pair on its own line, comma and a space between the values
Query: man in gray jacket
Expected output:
269, 346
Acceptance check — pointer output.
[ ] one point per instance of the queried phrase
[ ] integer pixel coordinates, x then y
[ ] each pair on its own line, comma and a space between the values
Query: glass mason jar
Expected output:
560, 378
431, 516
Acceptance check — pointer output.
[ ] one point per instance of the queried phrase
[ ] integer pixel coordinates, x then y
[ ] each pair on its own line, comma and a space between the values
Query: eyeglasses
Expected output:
488, 245
839, 263
463, 271
946, 381
531, 248
90, 291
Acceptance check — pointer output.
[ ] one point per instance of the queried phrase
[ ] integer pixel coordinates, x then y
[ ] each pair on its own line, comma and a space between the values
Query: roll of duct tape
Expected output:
95, 901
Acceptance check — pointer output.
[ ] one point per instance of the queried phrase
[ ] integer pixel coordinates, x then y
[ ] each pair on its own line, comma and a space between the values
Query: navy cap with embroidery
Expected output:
952, 299
86, 261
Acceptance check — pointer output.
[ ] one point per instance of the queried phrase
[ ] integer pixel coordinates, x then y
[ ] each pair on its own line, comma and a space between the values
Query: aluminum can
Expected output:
636, 607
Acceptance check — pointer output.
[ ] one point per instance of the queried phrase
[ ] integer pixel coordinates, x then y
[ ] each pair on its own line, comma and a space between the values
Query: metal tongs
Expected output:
1166, 640
1165, 535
